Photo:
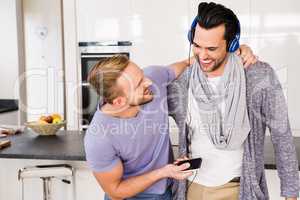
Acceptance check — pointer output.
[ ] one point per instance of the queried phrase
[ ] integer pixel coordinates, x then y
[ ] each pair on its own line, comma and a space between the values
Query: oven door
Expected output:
89, 104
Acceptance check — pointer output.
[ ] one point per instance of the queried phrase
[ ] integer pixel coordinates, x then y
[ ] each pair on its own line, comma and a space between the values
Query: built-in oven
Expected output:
91, 53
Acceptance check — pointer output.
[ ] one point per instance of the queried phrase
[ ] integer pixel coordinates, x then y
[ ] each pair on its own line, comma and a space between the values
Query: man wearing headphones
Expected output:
224, 118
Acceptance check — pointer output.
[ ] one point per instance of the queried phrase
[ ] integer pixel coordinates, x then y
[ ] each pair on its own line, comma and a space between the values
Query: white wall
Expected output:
43, 57
8, 50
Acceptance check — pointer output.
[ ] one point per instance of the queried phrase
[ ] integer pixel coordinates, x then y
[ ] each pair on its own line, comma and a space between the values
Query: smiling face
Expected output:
209, 47
135, 85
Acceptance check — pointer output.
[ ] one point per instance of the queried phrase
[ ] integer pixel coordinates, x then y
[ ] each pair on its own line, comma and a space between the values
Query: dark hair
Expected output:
211, 15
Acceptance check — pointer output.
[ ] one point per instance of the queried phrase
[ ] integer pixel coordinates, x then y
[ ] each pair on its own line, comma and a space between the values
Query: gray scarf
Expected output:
226, 130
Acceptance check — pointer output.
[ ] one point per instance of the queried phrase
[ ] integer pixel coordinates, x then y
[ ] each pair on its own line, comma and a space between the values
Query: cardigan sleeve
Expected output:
276, 118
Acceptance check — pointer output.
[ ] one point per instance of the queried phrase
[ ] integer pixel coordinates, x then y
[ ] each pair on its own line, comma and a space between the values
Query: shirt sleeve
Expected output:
100, 153
161, 74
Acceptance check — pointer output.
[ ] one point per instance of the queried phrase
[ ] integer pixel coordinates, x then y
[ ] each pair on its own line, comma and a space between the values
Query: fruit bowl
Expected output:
47, 125
45, 129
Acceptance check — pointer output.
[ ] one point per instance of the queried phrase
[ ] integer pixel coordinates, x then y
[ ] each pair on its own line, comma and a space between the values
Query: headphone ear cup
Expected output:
234, 45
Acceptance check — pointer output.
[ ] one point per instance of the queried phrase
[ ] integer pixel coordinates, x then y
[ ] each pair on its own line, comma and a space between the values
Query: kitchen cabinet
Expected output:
28, 149
158, 29
9, 50
86, 186
161, 29
44, 57
102, 20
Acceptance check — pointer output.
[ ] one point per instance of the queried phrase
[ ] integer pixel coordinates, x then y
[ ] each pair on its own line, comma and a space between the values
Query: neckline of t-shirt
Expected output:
100, 112
216, 78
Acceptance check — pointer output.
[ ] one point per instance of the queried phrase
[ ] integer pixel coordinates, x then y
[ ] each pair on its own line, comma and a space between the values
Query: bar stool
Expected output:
47, 173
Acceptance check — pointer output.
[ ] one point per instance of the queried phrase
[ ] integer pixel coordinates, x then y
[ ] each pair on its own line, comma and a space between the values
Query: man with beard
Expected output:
222, 111
127, 143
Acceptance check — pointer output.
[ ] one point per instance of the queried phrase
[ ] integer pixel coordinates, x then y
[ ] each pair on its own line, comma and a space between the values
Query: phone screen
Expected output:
195, 163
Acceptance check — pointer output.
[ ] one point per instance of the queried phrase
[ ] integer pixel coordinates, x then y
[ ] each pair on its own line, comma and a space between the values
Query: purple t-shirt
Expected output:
141, 143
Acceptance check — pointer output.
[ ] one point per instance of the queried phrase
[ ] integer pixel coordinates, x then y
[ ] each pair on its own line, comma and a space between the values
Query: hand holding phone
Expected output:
195, 163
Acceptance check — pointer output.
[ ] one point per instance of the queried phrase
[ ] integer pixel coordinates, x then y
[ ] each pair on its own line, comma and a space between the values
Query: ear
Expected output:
119, 101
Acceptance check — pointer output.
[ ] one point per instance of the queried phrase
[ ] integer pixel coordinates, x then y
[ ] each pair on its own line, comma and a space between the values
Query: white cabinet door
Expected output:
100, 20
86, 185
160, 31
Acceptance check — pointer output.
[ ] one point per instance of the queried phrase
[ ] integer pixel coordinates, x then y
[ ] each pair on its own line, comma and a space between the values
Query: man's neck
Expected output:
125, 112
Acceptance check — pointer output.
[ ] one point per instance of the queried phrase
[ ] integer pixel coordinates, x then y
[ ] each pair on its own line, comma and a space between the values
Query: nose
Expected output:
203, 55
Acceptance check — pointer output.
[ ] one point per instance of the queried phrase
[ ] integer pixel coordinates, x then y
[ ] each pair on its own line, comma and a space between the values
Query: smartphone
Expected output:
195, 163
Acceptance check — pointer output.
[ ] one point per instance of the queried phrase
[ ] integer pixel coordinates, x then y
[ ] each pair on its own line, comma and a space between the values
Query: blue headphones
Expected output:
233, 45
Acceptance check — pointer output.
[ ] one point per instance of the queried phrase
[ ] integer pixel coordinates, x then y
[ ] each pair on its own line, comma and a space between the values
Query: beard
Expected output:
145, 98
215, 65
142, 101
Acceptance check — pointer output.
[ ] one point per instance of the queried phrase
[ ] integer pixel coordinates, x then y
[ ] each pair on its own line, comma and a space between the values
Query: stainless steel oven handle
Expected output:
85, 84
96, 56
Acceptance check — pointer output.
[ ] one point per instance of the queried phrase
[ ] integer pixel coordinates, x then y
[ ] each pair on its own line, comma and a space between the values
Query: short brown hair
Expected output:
104, 74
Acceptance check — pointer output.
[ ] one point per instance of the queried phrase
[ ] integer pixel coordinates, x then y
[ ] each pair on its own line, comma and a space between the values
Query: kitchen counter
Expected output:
68, 145
7, 105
